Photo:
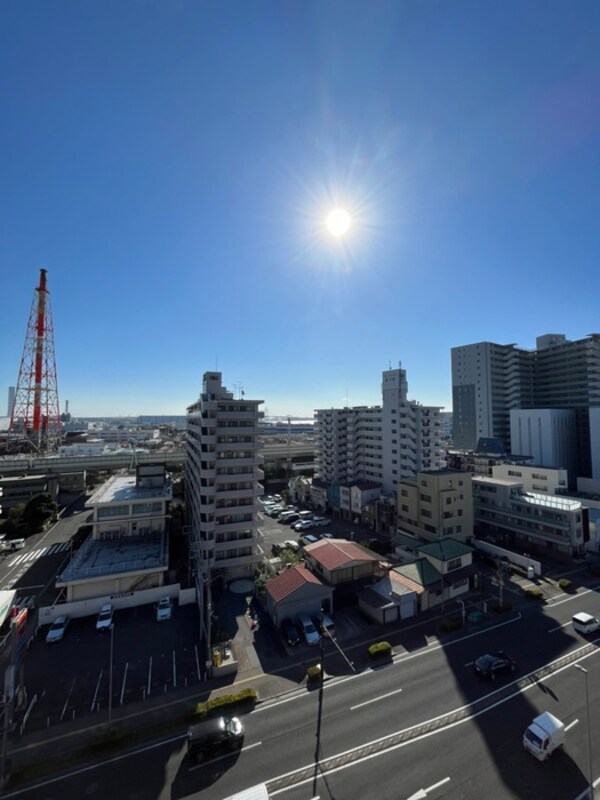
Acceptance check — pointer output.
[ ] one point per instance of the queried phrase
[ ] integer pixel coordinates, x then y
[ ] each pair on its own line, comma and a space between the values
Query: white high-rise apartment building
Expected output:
223, 474
488, 380
381, 444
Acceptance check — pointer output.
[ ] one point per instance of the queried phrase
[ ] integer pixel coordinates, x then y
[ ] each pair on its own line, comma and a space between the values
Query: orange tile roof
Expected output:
287, 582
334, 553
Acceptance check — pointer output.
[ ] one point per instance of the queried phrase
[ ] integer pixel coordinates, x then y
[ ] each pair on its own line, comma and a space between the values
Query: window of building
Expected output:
455, 563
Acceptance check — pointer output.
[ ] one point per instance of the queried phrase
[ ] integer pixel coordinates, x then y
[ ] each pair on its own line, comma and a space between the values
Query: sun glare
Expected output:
338, 222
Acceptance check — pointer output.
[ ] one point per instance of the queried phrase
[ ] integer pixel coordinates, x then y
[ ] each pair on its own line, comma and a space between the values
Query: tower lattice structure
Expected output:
35, 411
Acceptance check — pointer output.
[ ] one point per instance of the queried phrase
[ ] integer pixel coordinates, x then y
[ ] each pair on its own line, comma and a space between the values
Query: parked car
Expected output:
15, 544
323, 620
319, 522
307, 629
105, 617
290, 633
275, 511
57, 629
303, 525
326, 535
164, 609
308, 538
492, 664
292, 545
214, 735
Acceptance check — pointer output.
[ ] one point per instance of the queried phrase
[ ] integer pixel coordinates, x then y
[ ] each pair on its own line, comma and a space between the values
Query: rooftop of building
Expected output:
336, 553
440, 471
289, 581
97, 558
125, 488
497, 481
445, 549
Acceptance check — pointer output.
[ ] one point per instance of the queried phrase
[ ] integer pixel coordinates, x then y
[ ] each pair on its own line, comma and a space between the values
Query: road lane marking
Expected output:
375, 699
124, 681
400, 658
220, 758
559, 627
571, 725
324, 770
469, 663
96, 692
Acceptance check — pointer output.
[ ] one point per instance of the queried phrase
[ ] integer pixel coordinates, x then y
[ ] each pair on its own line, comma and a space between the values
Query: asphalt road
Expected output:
467, 741
30, 571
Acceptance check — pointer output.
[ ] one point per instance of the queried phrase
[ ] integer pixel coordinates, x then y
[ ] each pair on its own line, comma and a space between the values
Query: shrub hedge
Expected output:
313, 673
450, 624
565, 584
533, 594
223, 702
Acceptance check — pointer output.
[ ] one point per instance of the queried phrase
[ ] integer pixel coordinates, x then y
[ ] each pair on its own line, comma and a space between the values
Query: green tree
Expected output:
15, 525
38, 511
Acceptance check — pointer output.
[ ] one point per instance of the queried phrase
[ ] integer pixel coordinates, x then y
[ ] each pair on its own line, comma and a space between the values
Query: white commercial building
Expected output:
380, 444
544, 480
128, 549
530, 522
545, 434
488, 380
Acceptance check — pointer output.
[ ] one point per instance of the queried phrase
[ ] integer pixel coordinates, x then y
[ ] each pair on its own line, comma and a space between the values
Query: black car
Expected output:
214, 735
290, 632
492, 664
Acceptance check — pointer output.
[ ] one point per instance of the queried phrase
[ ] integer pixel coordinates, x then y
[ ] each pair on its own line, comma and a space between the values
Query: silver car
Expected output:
57, 629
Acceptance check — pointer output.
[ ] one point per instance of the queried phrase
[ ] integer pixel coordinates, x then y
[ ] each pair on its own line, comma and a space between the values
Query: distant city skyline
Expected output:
173, 166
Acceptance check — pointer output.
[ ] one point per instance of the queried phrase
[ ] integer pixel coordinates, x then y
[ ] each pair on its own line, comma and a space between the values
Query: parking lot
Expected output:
275, 532
71, 678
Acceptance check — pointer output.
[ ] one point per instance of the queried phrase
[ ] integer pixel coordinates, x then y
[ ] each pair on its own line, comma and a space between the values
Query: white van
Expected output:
585, 623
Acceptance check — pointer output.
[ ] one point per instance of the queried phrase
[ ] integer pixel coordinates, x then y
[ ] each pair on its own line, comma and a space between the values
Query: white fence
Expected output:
92, 605
514, 558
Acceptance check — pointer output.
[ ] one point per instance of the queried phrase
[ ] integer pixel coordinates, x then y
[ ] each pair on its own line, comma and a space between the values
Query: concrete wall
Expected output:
515, 558
90, 607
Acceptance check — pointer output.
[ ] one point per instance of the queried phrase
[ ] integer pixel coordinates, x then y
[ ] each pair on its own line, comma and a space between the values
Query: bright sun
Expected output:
338, 222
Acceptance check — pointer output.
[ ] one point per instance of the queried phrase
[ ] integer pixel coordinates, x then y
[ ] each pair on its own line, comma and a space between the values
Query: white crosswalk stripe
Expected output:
27, 558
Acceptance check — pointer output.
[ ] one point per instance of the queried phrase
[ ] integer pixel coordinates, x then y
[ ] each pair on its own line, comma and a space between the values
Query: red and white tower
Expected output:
36, 411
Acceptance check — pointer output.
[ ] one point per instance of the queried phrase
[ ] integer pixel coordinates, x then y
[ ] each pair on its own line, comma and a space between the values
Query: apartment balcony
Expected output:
241, 430
251, 415
236, 494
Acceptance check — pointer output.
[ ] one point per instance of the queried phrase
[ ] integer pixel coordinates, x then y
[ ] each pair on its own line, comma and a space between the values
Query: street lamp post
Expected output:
110, 675
463, 610
589, 730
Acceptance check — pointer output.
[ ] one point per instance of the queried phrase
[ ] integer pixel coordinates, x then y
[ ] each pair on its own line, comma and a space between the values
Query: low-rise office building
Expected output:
128, 549
437, 504
550, 526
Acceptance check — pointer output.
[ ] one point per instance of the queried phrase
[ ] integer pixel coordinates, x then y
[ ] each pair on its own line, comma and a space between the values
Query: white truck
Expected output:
544, 735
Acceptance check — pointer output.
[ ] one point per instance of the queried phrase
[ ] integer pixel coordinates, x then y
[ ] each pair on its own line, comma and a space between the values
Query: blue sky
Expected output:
171, 164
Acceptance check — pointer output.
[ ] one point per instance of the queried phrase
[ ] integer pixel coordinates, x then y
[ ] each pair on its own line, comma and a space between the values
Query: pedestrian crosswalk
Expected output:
33, 555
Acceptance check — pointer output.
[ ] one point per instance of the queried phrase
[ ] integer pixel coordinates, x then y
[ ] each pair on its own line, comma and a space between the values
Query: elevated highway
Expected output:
173, 459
